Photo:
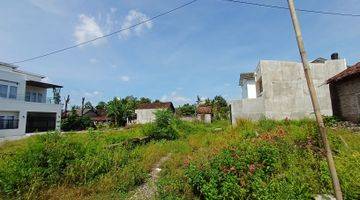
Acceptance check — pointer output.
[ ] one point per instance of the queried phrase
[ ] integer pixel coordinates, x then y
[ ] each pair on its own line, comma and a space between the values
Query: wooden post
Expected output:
315, 102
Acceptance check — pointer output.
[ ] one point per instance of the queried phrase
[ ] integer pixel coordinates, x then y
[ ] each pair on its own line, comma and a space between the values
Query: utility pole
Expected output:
315, 102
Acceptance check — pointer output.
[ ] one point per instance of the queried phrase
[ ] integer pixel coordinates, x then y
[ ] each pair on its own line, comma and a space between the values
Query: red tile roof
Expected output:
203, 110
156, 105
100, 118
352, 71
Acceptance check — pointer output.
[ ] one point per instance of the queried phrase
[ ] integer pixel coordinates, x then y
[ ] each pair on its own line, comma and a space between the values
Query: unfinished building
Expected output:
281, 90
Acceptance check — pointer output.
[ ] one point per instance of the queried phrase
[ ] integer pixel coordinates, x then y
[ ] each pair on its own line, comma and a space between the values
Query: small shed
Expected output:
145, 113
345, 93
204, 113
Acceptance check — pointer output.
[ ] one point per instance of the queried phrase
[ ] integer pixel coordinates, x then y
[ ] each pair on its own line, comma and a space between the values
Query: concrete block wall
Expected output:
285, 91
346, 99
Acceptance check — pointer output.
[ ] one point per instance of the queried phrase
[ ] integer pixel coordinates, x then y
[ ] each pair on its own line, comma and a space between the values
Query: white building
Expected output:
25, 105
281, 90
145, 113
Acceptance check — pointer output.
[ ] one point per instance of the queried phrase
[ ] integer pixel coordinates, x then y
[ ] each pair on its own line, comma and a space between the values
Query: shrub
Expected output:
76, 123
164, 126
330, 121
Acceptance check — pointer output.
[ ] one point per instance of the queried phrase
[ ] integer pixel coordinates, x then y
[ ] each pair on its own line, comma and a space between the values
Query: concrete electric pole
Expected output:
315, 102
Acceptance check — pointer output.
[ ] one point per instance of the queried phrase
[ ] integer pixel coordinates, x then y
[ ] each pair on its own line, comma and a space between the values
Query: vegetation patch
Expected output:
255, 160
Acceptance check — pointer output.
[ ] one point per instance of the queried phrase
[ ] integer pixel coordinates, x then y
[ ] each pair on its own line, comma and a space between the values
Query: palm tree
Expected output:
116, 110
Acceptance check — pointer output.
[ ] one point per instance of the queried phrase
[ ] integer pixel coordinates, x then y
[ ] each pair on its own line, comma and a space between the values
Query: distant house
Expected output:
95, 116
87, 112
345, 93
145, 113
281, 91
204, 113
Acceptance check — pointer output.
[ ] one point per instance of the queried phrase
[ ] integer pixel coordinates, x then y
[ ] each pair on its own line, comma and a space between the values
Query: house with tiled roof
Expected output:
345, 93
204, 113
145, 113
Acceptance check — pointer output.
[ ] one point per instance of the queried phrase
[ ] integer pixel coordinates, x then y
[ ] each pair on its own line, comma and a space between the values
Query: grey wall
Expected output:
285, 92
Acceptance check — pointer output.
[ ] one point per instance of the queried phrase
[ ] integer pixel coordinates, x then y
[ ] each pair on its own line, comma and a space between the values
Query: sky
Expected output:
198, 50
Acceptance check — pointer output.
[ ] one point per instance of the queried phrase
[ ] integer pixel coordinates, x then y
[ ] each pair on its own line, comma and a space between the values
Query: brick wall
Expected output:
345, 97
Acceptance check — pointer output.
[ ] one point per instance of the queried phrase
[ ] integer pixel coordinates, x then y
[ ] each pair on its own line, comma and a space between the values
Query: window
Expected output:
40, 97
13, 92
259, 87
27, 96
3, 90
2, 122
9, 122
33, 97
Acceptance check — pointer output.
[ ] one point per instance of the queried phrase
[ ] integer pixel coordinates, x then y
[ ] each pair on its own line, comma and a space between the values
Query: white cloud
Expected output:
175, 98
93, 60
92, 94
125, 78
114, 66
51, 6
132, 18
87, 29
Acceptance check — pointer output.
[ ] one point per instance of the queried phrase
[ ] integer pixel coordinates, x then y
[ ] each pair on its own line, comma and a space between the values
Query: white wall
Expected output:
145, 115
248, 89
19, 105
23, 108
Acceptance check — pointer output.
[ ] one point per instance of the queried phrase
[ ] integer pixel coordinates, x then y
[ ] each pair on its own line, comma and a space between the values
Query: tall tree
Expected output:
144, 100
198, 99
101, 106
220, 108
186, 110
116, 111
82, 106
88, 105
67, 100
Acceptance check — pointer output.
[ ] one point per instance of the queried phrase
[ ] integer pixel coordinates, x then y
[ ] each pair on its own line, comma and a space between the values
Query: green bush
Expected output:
76, 123
164, 126
330, 121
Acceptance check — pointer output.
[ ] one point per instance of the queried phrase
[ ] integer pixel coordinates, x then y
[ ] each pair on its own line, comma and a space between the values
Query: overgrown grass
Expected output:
255, 160
261, 160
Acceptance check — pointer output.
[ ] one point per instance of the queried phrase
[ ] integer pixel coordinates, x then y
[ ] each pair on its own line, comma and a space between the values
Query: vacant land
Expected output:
256, 160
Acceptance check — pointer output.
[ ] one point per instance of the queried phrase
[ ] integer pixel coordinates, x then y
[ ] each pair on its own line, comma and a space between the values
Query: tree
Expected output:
82, 106
130, 103
101, 106
144, 100
208, 102
66, 103
220, 108
88, 105
186, 110
198, 99
116, 111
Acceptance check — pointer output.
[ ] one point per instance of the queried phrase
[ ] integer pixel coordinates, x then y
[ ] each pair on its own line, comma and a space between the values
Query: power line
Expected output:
300, 10
107, 35
173, 10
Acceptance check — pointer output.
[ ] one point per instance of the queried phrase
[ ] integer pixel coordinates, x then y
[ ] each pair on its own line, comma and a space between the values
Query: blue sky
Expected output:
199, 50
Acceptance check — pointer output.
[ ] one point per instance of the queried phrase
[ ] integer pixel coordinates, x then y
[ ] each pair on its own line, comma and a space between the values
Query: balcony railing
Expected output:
47, 100
9, 124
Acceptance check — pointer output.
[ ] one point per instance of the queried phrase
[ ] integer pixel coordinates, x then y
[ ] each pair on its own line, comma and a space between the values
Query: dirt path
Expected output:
147, 190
